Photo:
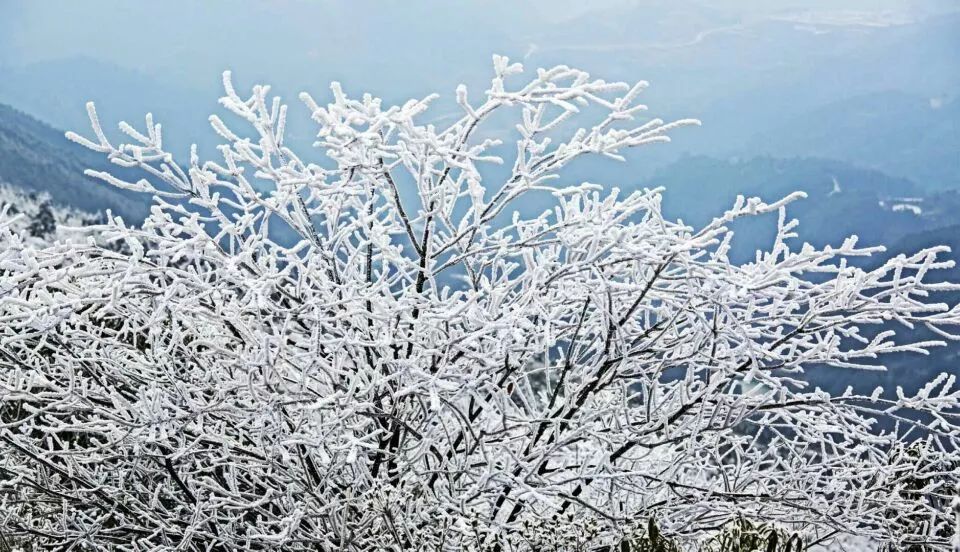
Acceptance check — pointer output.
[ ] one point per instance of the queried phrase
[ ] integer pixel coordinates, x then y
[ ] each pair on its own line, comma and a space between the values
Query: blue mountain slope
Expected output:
842, 199
898, 133
37, 157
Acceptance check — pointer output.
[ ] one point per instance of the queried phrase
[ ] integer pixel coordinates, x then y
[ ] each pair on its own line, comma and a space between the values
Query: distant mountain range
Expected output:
878, 90
895, 132
878, 94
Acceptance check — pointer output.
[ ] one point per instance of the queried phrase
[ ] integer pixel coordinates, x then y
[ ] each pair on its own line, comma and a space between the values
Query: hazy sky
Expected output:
191, 42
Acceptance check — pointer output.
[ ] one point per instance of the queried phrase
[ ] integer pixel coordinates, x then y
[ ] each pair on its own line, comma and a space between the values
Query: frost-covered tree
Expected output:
37, 220
371, 351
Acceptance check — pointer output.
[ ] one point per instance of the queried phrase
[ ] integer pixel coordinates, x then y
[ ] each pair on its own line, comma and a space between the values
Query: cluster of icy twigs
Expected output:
417, 369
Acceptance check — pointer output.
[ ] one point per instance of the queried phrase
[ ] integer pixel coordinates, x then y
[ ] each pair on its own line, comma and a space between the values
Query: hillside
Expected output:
37, 157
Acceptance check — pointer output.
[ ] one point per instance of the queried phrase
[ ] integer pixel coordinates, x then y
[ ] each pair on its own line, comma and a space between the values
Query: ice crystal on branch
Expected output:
418, 369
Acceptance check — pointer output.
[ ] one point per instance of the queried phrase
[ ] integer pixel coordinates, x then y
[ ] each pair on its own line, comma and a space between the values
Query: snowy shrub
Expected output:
372, 351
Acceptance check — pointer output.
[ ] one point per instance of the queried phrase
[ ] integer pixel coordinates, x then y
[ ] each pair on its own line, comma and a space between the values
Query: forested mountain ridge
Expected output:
842, 199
